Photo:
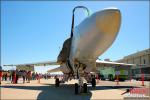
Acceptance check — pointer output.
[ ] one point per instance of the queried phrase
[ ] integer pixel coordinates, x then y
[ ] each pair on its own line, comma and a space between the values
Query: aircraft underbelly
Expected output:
95, 34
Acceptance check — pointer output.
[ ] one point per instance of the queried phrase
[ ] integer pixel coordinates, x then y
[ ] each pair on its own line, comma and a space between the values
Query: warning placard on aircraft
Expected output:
25, 67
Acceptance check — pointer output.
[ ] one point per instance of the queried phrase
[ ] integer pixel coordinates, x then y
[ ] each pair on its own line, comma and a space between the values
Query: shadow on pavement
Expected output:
64, 92
50, 92
110, 87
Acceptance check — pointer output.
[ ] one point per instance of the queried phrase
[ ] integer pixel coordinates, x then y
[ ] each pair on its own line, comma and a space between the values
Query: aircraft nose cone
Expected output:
108, 21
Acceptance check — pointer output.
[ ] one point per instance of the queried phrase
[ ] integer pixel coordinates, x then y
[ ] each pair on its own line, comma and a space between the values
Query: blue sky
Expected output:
34, 31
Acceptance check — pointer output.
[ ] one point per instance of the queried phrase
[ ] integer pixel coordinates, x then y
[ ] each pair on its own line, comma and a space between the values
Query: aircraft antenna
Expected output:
72, 26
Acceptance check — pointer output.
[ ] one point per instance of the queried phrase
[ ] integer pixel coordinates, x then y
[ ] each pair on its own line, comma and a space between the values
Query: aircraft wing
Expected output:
44, 63
110, 63
58, 69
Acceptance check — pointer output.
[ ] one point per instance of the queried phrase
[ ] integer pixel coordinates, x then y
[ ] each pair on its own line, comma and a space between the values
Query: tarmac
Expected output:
46, 90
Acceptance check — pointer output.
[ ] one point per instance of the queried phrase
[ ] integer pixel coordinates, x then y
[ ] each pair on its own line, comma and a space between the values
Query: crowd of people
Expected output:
14, 75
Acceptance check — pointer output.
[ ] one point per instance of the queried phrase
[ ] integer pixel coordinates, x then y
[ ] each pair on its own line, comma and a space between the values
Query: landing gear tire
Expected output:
93, 82
84, 88
57, 82
76, 88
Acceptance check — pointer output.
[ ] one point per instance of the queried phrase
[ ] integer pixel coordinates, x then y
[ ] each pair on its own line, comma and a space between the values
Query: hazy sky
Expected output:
34, 31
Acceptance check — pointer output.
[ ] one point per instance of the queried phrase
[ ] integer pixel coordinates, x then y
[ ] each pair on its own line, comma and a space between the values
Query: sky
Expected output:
34, 31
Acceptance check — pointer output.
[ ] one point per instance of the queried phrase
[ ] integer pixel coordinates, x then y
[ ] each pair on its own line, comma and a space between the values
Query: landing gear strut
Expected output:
81, 74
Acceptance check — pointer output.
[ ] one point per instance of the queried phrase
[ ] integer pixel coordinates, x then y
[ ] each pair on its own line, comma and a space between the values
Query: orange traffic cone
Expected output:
142, 79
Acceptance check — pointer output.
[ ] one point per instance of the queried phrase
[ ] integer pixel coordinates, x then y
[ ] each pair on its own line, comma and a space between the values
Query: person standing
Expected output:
14, 77
33, 76
5, 76
36, 75
24, 76
8, 76
29, 76
17, 76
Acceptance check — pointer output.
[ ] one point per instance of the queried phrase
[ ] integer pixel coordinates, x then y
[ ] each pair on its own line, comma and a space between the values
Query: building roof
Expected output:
136, 54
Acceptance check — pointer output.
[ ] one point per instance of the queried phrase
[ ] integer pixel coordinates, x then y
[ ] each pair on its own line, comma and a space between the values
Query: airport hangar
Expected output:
140, 58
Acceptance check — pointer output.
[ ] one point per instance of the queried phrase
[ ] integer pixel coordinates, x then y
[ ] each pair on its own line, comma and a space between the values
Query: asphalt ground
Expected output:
46, 90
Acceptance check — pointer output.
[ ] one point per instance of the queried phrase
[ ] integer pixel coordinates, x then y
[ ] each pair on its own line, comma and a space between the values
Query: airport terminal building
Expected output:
140, 58
142, 61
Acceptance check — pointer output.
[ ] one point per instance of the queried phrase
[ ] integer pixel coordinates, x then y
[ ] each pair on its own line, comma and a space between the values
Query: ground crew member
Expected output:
14, 78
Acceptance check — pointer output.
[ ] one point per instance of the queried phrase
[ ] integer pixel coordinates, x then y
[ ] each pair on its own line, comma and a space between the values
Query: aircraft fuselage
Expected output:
93, 36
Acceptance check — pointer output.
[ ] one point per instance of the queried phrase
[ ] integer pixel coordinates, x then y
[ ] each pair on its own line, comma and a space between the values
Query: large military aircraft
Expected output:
90, 39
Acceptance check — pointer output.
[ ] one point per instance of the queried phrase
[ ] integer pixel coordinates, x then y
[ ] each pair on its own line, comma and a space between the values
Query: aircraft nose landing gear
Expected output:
84, 88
